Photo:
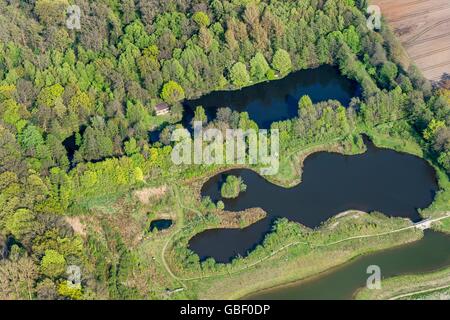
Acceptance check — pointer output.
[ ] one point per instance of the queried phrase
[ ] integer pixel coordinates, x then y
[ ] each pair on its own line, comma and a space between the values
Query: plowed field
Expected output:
423, 27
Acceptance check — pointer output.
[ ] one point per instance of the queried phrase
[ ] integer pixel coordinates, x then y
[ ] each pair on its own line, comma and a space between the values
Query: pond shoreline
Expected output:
342, 193
317, 280
275, 100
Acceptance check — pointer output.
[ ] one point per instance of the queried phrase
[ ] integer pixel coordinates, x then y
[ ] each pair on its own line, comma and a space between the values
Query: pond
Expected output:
5, 246
426, 255
382, 180
160, 224
272, 101
70, 144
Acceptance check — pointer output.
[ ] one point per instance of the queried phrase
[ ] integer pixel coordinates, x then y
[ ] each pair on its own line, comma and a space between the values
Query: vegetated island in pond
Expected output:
383, 180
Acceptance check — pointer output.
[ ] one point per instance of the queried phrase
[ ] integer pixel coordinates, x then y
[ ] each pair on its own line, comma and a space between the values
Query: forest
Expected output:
77, 108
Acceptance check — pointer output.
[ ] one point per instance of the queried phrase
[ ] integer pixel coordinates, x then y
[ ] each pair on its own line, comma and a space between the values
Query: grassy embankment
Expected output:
310, 254
290, 253
299, 257
435, 285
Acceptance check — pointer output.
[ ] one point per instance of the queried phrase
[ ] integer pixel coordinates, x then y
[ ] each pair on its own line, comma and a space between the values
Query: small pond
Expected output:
160, 224
277, 100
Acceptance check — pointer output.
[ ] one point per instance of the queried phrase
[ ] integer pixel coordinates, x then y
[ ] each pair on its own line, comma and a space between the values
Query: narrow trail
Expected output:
169, 240
257, 262
405, 295
163, 259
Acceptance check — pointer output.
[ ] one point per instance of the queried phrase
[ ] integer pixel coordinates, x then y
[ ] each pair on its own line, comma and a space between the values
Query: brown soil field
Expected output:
423, 27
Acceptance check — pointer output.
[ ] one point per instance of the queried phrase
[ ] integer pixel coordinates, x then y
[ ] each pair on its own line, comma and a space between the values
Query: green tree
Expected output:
245, 123
11, 114
172, 92
97, 143
341, 120
432, 128
131, 147
31, 138
53, 264
351, 37
239, 75
305, 107
138, 174
259, 67
305, 102
10, 153
232, 187
21, 223
220, 205
200, 115
51, 12
72, 292
444, 160
388, 73
282, 61
201, 18
50, 95
323, 51
81, 104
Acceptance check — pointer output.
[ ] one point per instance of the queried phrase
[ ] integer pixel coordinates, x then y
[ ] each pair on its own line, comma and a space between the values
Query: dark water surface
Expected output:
383, 180
160, 224
71, 146
426, 255
278, 100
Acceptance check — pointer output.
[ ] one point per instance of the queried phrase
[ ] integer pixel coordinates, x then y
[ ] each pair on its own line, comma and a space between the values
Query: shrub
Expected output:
232, 187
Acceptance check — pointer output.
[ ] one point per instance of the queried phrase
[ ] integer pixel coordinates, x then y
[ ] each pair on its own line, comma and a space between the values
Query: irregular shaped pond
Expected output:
161, 224
383, 180
271, 101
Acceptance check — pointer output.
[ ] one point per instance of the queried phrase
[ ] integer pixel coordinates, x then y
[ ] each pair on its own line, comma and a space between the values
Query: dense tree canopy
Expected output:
282, 61
239, 75
77, 107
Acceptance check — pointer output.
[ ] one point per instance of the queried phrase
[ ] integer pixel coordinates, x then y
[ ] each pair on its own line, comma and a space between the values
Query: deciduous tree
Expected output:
282, 61
172, 92
239, 75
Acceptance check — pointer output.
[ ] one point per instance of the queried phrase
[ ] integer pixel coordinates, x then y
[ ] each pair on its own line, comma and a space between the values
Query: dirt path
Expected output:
405, 295
169, 240
180, 279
